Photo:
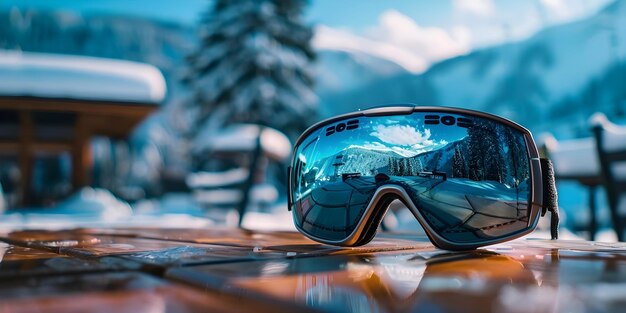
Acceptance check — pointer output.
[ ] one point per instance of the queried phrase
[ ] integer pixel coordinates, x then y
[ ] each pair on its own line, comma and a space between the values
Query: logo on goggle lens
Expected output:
349, 125
447, 120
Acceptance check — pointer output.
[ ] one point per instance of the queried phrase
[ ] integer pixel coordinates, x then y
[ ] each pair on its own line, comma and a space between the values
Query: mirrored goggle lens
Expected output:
469, 177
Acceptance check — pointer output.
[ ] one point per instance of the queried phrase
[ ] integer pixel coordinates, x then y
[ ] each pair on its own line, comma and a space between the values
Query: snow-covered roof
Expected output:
79, 77
242, 137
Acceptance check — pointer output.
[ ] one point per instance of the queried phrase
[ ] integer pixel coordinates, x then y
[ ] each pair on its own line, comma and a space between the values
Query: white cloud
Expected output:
480, 8
563, 10
404, 140
398, 38
474, 23
327, 38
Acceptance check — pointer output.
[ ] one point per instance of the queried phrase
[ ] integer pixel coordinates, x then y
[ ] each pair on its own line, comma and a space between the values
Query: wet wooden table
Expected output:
230, 270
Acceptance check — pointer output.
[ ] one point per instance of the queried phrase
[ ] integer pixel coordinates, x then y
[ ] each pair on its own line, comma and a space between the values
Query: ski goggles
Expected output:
470, 178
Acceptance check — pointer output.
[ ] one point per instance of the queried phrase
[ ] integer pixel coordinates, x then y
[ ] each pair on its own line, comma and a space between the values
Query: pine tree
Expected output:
253, 66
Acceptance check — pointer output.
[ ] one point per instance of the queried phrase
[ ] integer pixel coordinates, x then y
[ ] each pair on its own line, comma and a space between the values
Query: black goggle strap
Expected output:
550, 197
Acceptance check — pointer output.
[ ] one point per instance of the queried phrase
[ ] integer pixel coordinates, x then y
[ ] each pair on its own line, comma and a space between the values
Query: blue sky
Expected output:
353, 14
411, 33
329, 12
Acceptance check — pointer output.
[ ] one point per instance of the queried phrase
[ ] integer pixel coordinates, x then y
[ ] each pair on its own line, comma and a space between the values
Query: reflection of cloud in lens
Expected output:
404, 140
402, 135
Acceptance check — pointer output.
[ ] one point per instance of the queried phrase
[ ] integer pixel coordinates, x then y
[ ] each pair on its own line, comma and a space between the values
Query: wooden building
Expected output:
51, 104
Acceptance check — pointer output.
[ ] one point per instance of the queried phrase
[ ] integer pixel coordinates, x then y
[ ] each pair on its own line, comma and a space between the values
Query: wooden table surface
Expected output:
231, 270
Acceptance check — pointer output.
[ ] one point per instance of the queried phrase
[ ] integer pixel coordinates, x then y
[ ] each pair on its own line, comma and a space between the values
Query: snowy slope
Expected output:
524, 80
561, 60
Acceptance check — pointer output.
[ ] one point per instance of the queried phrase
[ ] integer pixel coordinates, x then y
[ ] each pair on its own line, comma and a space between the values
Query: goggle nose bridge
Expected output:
379, 206
385, 194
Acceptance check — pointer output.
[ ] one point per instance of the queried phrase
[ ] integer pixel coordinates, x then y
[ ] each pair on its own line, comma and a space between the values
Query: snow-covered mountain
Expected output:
338, 70
369, 161
545, 78
355, 160
441, 159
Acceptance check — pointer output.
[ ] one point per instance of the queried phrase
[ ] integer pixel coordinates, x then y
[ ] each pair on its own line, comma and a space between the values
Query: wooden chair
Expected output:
611, 152
233, 166
576, 160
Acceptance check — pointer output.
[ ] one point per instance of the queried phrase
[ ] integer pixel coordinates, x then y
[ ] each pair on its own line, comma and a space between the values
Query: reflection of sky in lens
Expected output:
406, 135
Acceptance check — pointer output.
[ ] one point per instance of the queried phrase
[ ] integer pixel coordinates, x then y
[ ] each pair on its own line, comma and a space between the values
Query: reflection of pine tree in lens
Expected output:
401, 168
520, 170
459, 164
485, 159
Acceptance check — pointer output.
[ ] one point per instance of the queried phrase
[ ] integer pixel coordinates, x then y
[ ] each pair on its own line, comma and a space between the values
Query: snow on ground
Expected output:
90, 201
96, 208
99, 208
279, 218
17, 221
56, 76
